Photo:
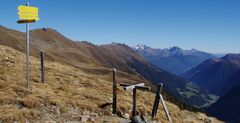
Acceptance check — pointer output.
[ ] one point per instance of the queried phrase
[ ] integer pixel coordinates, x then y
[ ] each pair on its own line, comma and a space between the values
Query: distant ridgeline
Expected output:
174, 60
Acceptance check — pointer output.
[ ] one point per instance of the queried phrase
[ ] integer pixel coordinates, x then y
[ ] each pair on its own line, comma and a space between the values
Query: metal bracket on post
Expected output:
42, 66
114, 103
156, 103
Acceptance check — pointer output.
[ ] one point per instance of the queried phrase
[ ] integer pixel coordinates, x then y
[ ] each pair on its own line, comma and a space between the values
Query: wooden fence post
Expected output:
134, 88
134, 102
156, 102
165, 109
42, 66
114, 103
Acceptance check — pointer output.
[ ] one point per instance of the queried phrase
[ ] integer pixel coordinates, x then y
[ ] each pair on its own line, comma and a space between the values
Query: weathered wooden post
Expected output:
134, 102
165, 109
42, 66
134, 88
134, 97
114, 103
156, 101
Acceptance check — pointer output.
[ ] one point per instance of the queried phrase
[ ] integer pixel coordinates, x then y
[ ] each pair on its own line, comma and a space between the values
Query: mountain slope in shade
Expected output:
175, 59
228, 84
213, 74
227, 107
85, 55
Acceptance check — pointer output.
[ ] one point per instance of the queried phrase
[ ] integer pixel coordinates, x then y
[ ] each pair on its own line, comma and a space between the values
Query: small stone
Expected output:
91, 119
84, 118
126, 115
94, 115
86, 112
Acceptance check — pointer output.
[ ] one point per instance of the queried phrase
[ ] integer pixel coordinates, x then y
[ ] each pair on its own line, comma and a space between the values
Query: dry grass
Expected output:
69, 93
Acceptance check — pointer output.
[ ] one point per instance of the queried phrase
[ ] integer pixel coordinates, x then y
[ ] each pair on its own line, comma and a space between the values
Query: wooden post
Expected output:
42, 66
134, 89
114, 103
165, 109
156, 102
134, 112
134, 102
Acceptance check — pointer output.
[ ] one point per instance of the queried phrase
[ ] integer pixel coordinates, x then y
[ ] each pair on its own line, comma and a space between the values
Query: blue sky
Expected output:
208, 25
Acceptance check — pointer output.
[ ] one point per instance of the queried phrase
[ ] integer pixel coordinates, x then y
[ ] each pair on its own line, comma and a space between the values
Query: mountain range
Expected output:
216, 74
174, 59
85, 55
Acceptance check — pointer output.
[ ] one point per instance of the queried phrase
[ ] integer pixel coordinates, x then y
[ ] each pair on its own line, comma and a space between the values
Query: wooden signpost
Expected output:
27, 15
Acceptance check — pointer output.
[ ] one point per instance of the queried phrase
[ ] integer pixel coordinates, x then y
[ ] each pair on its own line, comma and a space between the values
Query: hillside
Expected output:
213, 74
228, 84
85, 55
227, 107
175, 59
69, 93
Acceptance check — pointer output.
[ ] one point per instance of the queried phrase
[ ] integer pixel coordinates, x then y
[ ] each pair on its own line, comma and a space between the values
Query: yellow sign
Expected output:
28, 13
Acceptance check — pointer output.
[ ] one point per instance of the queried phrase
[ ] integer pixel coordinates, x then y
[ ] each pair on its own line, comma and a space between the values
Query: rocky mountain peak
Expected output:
140, 47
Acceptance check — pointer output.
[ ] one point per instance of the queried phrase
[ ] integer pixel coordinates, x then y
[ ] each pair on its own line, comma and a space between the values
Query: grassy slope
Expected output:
68, 93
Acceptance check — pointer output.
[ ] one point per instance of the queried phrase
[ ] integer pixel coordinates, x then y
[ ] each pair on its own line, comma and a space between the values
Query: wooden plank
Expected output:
124, 84
143, 88
131, 87
25, 21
